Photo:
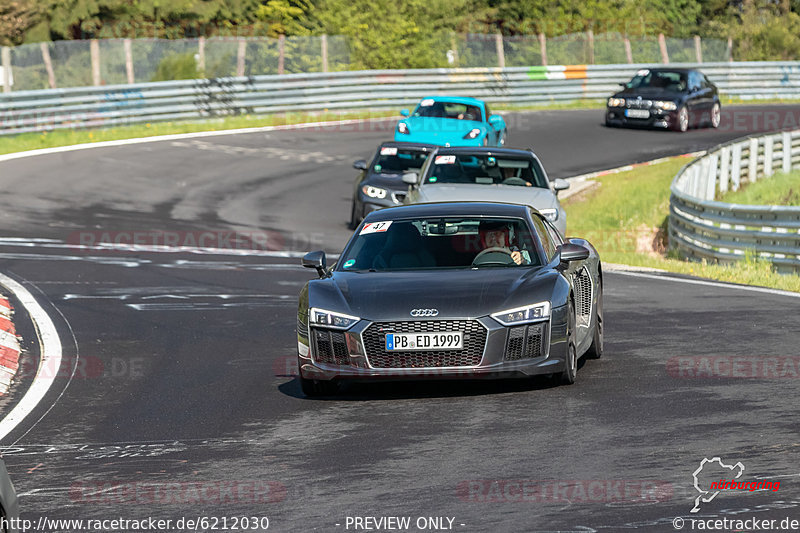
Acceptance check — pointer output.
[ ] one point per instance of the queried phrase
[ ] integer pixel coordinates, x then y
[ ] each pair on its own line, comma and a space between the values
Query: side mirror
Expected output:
405, 112
316, 260
360, 165
495, 119
560, 184
573, 252
410, 178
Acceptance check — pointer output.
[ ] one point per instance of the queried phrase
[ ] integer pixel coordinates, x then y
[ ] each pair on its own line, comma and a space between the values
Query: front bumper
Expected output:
503, 354
367, 204
658, 118
440, 139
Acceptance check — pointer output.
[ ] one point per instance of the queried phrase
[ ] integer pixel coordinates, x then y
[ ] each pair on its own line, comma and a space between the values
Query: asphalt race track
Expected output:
176, 380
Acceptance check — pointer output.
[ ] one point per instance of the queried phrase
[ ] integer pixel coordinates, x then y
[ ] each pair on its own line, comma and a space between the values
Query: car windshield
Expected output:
659, 79
392, 160
439, 109
484, 169
440, 243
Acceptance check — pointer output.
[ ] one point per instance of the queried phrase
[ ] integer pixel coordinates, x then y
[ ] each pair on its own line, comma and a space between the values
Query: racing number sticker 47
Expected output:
375, 227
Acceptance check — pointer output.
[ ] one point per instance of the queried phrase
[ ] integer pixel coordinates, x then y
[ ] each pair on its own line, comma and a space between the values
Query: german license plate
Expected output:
407, 342
637, 113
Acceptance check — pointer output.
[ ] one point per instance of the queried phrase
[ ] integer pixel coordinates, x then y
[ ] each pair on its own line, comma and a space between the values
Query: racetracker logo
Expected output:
208, 492
178, 240
564, 491
734, 366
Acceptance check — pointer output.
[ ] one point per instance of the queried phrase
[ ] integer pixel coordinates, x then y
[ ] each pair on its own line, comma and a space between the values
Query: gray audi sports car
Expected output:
450, 290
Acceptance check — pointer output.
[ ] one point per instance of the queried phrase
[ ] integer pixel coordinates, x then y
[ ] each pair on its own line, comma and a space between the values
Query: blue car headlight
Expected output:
473, 133
524, 315
330, 319
402, 127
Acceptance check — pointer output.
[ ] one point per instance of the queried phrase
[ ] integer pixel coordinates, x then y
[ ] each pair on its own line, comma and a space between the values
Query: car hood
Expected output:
534, 196
433, 128
455, 293
392, 182
649, 93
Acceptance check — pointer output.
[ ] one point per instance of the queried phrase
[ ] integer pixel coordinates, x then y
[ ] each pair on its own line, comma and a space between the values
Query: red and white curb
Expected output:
9, 346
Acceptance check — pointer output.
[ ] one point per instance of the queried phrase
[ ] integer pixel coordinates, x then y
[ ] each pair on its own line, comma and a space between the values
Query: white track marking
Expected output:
718, 284
50, 357
179, 136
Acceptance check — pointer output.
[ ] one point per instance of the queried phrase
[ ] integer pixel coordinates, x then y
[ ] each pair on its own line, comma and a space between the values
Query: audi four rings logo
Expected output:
424, 312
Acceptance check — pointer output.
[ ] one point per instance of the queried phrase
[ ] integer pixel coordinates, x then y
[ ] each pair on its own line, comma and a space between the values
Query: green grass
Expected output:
627, 213
780, 189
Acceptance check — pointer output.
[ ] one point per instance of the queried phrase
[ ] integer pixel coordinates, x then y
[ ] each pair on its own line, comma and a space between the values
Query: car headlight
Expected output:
666, 106
473, 133
524, 315
402, 127
374, 192
550, 214
329, 319
616, 102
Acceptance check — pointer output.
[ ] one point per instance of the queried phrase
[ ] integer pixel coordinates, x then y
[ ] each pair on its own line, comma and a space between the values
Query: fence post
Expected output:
6, 59
324, 44
628, 52
736, 166
787, 152
698, 52
201, 55
752, 168
590, 38
240, 57
768, 154
48, 64
501, 55
281, 52
662, 44
94, 48
543, 48
729, 50
126, 44
724, 168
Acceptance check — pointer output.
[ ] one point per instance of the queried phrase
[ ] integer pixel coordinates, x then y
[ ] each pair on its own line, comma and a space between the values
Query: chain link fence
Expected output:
81, 63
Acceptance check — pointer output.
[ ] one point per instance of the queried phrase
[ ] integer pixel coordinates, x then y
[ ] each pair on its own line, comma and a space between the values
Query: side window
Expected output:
488, 113
544, 236
557, 238
694, 81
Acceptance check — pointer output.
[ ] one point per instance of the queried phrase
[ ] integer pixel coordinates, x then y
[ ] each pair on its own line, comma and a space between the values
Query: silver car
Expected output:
488, 175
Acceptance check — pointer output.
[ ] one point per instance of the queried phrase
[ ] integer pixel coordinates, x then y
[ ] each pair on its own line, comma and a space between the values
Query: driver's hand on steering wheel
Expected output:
517, 257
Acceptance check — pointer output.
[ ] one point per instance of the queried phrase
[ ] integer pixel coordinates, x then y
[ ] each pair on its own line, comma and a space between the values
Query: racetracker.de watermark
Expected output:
734, 366
178, 492
564, 491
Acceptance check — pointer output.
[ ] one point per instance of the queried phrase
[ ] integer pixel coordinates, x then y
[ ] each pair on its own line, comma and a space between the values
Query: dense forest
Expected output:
391, 32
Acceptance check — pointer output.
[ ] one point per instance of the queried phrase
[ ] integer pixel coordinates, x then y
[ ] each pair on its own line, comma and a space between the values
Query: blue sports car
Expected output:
452, 121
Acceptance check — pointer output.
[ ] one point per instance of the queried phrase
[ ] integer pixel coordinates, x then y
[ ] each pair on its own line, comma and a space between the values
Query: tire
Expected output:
313, 388
595, 351
353, 224
567, 376
681, 120
716, 115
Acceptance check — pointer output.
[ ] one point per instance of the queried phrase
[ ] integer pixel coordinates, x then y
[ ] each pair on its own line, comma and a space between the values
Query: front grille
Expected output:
525, 342
471, 355
330, 347
638, 104
583, 296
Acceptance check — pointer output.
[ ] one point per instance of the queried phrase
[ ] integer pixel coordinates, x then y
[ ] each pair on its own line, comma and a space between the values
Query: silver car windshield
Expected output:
441, 243
485, 169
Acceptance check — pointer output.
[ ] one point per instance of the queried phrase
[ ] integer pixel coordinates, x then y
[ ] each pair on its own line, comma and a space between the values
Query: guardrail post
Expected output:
662, 45
752, 167
94, 48
724, 168
6, 60
501, 55
711, 177
543, 48
590, 39
698, 51
786, 148
628, 52
240, 57
768, 153
126, 44
736, 166
281, 52
324, 45
48, 64
201, 55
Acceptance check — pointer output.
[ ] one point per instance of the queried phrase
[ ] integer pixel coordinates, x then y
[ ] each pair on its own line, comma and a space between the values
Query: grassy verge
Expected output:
626, 219
780, 189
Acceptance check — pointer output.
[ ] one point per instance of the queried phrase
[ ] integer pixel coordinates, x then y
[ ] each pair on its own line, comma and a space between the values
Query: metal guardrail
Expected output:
702, 228
33, 111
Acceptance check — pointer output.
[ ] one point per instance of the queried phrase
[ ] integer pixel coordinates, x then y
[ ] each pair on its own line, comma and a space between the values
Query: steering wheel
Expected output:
502, 256
515, 181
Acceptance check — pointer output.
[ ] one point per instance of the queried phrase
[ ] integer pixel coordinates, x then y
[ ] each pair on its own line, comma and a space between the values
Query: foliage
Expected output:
16, 18
177, 67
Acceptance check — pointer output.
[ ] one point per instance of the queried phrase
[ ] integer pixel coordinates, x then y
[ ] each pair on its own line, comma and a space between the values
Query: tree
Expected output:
16, 17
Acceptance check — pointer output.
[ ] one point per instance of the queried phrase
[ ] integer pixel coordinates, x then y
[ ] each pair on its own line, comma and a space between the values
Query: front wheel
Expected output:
595, 351
716, 115
313, 388
682, 120
567, 376
354, 220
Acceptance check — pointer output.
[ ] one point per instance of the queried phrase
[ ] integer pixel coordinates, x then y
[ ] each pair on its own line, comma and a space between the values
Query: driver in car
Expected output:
496, 236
